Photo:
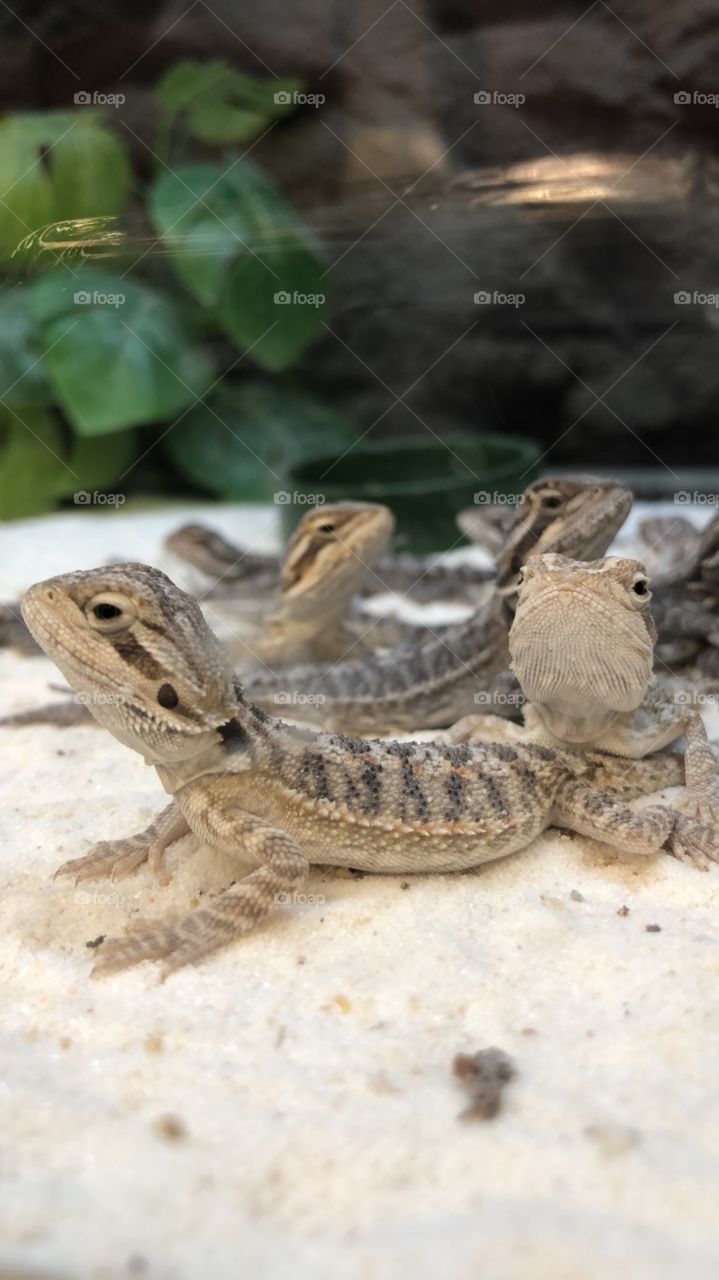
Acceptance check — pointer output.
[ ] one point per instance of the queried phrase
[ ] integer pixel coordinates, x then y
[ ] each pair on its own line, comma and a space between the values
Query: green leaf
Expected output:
57, 165
97, 462
117, 352
237, 244
274, 304
31, 464
188, 81
222, 104
91, 174
28, 200
274, 299
22, 375
217, 122
286, 263
197, 209
242, 442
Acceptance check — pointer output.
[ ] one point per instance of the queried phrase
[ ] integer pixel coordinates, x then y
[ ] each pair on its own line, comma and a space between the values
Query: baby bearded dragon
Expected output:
582, 644
328, 558
141, 653
241, 575
432, 682
423, 684
329, 555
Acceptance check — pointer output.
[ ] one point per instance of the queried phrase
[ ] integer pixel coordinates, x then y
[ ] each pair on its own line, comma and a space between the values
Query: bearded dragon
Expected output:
140, 652
326, 561
432, 682
582, 647
328, 558
237, 575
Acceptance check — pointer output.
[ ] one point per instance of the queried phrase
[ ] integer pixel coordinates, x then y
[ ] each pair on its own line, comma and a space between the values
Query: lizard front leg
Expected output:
655, 726
189, 938
482, 728
653, 830
119, 858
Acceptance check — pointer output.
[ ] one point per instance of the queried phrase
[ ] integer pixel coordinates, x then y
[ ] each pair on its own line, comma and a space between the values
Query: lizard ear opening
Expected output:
551, 501
167, 696
110, 612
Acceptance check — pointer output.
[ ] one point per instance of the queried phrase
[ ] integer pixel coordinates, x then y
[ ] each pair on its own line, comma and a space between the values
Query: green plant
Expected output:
102, 361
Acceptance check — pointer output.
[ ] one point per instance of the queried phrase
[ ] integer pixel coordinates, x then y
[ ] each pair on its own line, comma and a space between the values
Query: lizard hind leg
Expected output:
656, 829
186, 939
597, 814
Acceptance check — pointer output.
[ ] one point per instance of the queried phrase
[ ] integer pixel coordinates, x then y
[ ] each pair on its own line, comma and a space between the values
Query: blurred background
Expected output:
236, 237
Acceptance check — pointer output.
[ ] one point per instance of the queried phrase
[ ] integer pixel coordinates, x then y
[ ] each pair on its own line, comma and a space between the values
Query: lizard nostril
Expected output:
50, 596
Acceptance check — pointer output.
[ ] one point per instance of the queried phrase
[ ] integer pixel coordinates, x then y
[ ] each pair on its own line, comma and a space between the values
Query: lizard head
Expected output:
582, 641
204, 549
139, 653
334, 543
575, 515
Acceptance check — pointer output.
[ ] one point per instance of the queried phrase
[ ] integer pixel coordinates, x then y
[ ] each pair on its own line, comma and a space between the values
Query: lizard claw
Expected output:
704, 811
115, 858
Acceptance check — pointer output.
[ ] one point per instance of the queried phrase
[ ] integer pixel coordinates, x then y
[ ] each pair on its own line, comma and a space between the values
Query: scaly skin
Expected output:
141, 654
240, 575
685, 574
582, 647
432, 682
327, 561
432, 679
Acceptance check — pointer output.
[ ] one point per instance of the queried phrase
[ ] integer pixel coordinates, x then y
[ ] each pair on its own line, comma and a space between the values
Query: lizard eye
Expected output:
640, 587
327, 528
109, 613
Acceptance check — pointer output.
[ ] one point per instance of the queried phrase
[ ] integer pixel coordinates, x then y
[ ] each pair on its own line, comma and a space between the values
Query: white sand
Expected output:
287, 1108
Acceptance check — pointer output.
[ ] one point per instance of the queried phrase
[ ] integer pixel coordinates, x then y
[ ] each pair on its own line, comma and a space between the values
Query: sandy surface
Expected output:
287, 1108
